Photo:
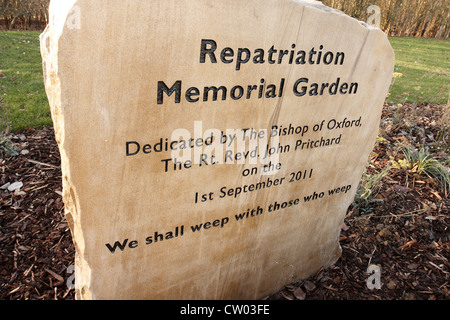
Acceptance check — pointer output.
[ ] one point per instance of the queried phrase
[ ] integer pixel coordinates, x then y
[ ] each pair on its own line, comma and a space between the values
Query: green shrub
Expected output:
421, 162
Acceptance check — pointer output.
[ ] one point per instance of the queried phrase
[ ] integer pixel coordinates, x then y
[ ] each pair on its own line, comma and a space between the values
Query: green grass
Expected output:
423, 64
23, 88
422, 162
423, 67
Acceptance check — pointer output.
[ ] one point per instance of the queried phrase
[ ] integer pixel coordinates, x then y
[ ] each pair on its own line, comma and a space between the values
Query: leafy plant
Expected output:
8, 147
380, 140
368, 189
421, 162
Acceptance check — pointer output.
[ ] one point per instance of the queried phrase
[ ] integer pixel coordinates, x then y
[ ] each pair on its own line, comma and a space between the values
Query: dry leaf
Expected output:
299, 294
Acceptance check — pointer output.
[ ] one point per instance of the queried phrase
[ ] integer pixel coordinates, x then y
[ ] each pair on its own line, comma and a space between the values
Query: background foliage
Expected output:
403, 18
400, 18
23, 14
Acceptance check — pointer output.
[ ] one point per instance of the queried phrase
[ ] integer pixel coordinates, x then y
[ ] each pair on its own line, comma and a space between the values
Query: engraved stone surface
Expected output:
210, 149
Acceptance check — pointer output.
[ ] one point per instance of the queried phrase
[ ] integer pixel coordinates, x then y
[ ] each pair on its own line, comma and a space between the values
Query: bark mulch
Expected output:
402, 228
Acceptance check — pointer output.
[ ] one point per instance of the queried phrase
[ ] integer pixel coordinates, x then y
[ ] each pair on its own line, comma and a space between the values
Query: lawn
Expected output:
422, 71
22, 86
422, 74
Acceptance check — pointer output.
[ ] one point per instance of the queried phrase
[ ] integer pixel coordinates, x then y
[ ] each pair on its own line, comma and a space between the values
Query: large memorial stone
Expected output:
210, 149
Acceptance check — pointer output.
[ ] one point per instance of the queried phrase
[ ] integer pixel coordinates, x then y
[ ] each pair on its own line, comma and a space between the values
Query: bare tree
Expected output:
23, 13
412, 18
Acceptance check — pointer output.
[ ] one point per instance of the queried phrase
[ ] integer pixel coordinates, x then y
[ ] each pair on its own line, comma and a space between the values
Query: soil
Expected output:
401, 231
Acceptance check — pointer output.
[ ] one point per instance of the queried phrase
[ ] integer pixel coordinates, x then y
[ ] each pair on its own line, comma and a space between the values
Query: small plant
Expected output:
380, 140
8, 147
368, 189
421, 162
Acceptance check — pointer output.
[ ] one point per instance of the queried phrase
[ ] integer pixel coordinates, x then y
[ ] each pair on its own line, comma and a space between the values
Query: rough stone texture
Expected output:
102, 64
